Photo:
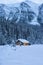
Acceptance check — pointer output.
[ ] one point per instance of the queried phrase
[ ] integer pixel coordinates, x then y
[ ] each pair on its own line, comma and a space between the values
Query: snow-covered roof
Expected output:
23, 40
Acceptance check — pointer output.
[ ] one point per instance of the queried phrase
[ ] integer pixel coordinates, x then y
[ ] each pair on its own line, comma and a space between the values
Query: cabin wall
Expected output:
17, 43
25, 44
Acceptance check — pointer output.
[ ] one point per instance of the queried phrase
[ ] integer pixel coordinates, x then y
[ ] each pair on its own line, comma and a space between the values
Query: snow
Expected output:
23, 40
34, 23
23, 55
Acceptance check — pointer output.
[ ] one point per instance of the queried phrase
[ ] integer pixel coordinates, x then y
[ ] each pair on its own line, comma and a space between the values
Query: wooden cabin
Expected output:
22, 42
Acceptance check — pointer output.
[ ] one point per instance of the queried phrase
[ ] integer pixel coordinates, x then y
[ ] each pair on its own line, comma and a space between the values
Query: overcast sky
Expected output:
15, 1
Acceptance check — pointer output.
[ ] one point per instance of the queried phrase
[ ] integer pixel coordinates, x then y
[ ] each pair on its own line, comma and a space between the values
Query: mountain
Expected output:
11, 10
33, 5
19, 22
2, 11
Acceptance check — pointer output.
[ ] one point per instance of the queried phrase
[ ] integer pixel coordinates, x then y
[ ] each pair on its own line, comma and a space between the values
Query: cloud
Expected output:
37, 1
15, 1
10, 1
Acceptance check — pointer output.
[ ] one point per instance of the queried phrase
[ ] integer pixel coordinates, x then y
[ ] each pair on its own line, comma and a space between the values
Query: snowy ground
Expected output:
24, 55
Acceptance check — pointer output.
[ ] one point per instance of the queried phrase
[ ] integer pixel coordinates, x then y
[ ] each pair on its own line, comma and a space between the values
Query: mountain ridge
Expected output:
15, 6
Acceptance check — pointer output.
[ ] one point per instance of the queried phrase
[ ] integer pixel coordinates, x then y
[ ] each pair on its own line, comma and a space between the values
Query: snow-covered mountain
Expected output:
33, 5
9, 10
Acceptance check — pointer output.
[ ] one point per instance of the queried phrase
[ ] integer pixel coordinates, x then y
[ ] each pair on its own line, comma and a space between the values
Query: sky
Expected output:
16, 1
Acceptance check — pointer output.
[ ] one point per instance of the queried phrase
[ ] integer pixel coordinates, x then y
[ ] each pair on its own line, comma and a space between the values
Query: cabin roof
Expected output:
23, 40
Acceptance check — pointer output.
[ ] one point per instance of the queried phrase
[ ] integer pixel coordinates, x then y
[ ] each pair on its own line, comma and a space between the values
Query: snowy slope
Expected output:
8, 7
33, 5
24, 55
